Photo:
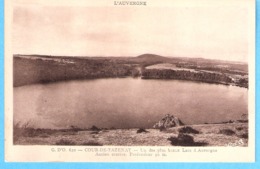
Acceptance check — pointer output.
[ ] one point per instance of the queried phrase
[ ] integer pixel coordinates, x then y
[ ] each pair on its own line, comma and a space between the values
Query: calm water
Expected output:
126, 102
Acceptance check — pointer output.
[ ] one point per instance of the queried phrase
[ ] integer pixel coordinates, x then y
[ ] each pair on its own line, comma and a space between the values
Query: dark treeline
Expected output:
186, 75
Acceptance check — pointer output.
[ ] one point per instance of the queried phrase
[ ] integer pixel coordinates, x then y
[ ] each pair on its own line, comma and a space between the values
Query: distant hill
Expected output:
149, 59
152, 57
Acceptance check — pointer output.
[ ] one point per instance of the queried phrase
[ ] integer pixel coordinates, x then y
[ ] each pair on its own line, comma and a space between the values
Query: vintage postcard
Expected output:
129, 81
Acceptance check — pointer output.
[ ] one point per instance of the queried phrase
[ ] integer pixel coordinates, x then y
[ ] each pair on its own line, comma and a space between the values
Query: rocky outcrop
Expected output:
168, 121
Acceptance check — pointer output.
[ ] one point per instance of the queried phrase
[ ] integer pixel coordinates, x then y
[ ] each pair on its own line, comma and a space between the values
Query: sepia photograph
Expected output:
131, 73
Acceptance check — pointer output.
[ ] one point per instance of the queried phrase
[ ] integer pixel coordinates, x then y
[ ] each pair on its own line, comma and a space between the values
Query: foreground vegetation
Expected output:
226, 134
30, 69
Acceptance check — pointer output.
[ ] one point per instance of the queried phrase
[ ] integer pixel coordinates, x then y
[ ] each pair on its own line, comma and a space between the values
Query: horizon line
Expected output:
244, 62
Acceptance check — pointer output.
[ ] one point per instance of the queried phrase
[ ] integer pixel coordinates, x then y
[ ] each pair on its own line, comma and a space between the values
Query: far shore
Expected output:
34, 69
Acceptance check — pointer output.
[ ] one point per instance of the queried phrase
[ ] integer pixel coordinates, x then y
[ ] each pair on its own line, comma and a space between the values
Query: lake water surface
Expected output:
126, 103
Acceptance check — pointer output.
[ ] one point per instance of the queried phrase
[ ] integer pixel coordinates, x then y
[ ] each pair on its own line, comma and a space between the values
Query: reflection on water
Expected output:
126, 103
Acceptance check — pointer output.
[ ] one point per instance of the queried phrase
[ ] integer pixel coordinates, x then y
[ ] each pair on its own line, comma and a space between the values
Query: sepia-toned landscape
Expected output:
107, 124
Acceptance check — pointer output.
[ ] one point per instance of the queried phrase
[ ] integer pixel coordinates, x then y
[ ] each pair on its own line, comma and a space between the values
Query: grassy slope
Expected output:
209, 134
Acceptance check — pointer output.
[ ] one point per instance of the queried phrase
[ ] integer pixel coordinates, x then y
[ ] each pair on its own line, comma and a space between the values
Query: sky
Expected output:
215, 32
